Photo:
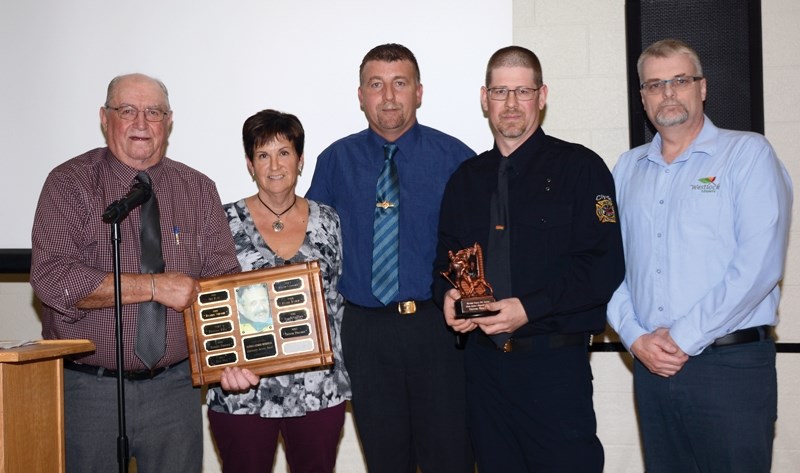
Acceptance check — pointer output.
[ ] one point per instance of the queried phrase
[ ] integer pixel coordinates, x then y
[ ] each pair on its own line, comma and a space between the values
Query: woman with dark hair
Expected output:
271, 228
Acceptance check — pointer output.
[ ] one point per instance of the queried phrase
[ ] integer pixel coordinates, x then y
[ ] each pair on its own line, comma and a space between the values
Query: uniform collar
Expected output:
521, 157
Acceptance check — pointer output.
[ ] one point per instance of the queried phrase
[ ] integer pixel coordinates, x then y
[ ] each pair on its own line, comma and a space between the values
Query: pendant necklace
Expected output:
277, 225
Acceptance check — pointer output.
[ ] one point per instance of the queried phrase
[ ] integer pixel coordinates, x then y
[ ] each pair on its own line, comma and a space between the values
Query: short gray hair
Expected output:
666, 48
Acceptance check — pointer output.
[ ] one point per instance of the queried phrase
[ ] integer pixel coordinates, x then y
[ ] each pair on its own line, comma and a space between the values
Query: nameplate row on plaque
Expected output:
269, 321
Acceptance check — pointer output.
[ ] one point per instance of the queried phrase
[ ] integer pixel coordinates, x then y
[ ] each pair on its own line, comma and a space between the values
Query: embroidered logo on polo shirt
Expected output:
604, 207
707, 185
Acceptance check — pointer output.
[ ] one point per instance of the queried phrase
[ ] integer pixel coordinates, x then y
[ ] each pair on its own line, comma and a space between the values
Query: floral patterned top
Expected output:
293, 394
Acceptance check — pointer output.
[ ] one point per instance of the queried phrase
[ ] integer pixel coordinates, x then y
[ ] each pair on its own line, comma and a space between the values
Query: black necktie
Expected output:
151, 326
498, 265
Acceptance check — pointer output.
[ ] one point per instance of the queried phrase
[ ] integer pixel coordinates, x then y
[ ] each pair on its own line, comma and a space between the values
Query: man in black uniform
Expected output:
543, 211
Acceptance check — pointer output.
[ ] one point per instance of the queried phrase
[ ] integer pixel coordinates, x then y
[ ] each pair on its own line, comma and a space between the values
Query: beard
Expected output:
666, 117
511, 128
510, 131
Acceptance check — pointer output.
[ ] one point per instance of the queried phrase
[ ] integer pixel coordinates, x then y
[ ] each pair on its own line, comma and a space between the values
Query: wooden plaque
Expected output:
269, 321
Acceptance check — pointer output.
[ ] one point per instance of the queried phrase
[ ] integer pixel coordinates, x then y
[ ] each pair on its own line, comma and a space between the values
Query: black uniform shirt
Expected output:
566, 249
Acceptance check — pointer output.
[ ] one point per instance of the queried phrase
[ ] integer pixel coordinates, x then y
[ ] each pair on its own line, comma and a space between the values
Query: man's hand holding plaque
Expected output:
466, 275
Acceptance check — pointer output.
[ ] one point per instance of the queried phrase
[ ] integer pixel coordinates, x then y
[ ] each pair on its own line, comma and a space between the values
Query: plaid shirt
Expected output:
72, 248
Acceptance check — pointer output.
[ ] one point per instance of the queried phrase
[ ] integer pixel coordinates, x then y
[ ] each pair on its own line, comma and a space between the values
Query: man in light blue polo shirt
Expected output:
705, 216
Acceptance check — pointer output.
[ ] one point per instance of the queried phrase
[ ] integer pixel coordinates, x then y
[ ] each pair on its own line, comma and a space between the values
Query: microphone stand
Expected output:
123, 455
114, 214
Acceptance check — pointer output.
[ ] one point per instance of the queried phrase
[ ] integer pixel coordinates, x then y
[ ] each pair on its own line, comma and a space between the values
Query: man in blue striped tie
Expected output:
386, 183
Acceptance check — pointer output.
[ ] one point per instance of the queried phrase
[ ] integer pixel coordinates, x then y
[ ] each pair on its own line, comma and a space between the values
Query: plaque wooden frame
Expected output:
297, 338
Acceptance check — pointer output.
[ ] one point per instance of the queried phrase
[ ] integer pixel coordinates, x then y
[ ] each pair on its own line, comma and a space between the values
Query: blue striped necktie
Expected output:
385, 281
151, 330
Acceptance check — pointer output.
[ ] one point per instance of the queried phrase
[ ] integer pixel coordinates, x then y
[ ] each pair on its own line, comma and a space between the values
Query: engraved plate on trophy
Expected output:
221, 359
288, 285
466, 274
293, 316
269, 321
215, 312
294, 299
260, 346
217, 328
220, 344
295, 331
212, 297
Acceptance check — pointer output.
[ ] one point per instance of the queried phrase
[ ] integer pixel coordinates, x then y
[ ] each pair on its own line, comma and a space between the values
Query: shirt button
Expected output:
661, 309
658, 235
666, 171
547, 189
661, 201
658, 271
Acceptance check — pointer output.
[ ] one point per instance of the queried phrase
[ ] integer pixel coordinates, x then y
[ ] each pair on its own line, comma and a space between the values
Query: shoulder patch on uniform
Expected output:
604, 207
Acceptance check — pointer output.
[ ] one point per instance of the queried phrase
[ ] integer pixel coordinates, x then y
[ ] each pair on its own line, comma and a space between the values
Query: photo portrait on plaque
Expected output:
466, 274
270, 321
253, 308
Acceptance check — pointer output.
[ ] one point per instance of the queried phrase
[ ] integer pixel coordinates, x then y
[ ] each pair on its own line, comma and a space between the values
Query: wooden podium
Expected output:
32, 405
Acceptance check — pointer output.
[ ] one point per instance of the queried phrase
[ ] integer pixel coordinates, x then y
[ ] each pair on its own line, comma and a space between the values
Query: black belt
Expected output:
131, 375
403, 307
745, 335
535, 342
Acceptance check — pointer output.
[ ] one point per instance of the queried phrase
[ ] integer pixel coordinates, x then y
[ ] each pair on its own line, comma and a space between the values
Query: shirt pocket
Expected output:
548, 217
698, 218
181, 249
545, 230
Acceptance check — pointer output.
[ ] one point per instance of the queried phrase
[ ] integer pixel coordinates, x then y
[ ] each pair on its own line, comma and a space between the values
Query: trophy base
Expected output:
471, 307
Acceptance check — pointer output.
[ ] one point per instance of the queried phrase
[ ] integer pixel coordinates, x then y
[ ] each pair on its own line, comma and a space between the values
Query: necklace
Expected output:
277, 225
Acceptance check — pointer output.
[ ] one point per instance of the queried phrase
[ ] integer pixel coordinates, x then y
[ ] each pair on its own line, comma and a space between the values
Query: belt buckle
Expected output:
508, 346
406, 307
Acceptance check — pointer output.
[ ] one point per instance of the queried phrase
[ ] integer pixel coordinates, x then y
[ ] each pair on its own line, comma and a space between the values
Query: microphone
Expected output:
119, 209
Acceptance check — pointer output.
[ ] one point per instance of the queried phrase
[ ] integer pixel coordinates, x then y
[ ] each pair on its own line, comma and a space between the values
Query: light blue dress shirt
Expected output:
705, 238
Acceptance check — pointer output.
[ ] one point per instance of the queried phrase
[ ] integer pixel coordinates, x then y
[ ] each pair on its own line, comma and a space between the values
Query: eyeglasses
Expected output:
678, 83
129, 112
522, 93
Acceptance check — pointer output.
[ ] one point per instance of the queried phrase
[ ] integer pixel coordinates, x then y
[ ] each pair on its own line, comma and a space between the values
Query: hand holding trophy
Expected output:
466, 274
